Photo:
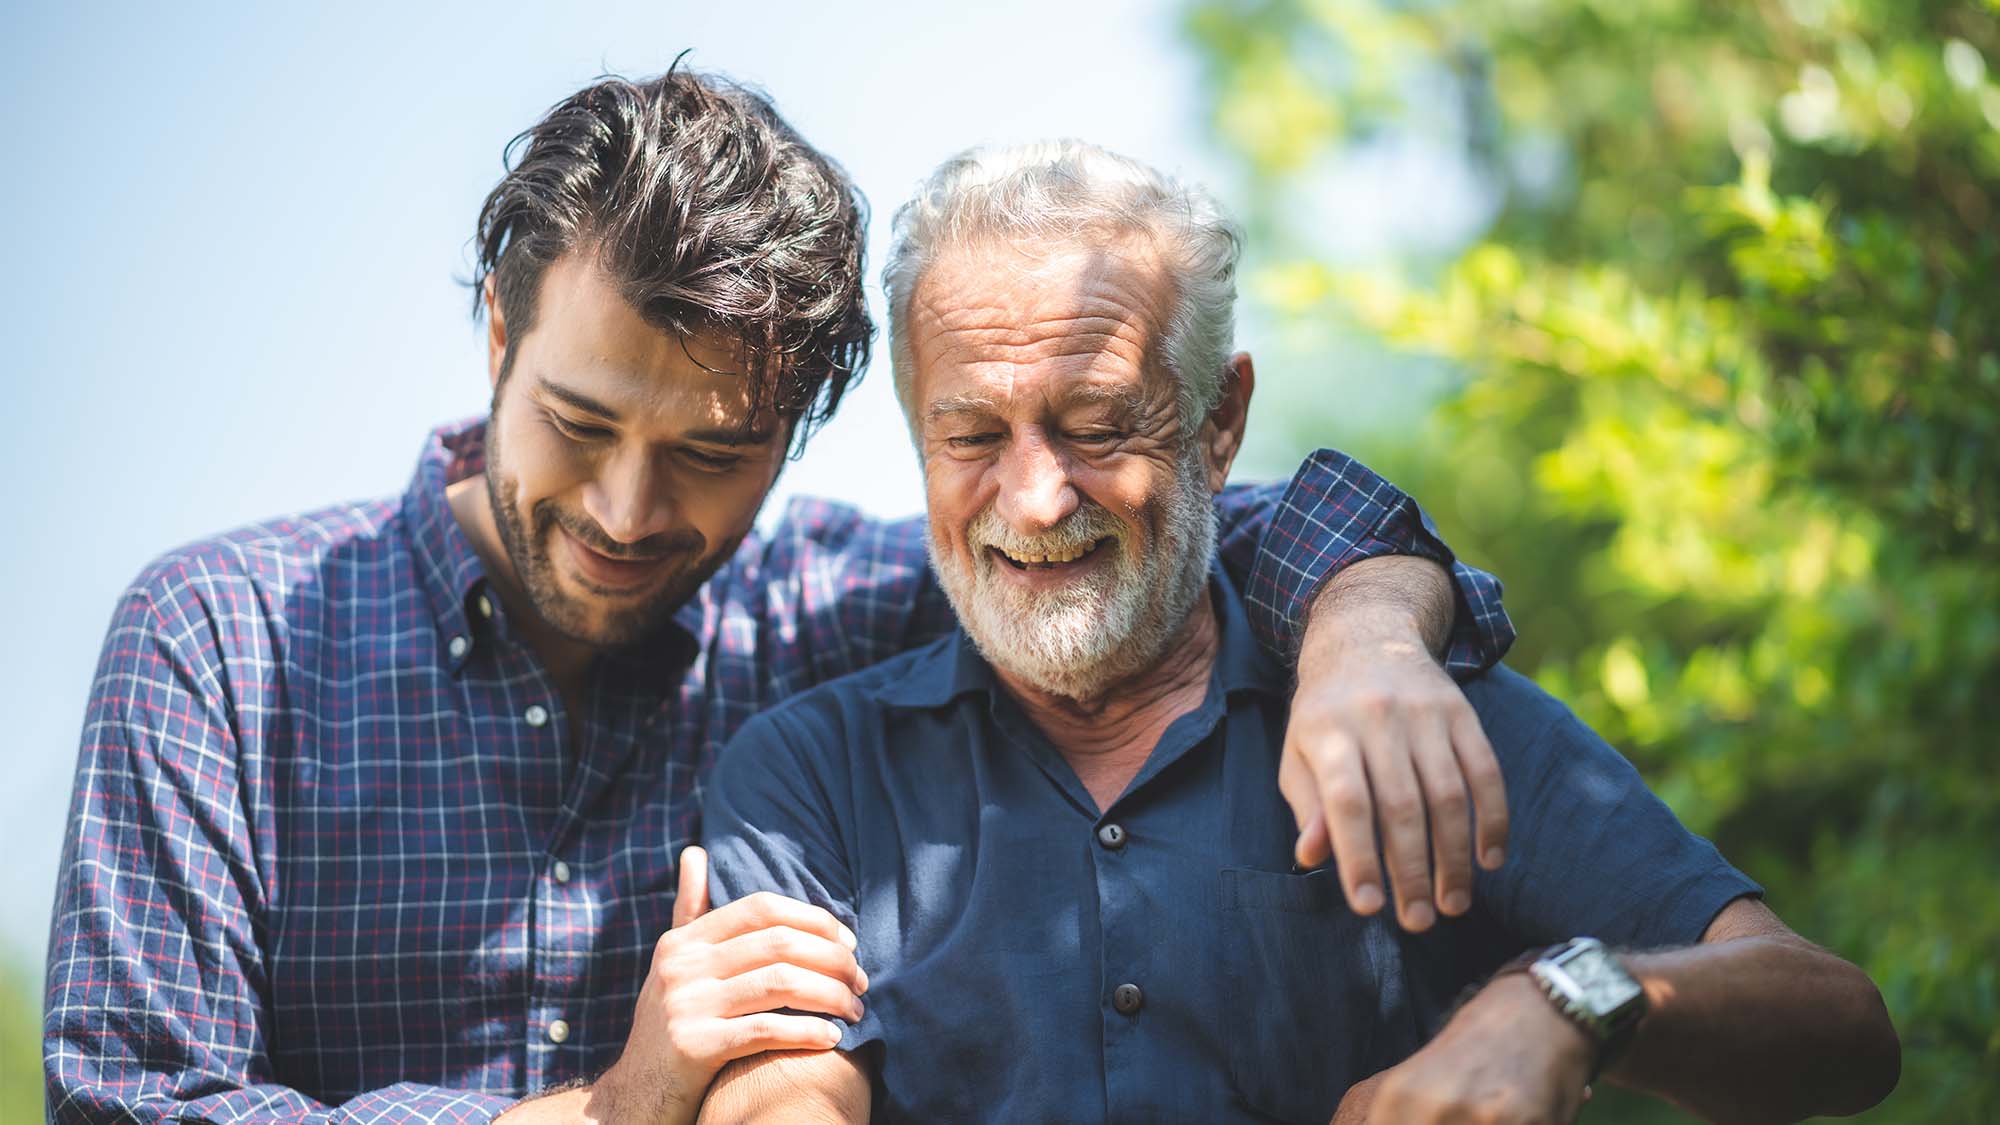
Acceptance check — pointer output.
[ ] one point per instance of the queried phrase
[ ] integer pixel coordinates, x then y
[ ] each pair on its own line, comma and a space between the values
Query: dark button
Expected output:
1127, 999
1111, 836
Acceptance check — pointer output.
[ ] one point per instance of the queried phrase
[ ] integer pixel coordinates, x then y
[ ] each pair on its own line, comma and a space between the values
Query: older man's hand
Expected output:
1381, 737
1506, 1058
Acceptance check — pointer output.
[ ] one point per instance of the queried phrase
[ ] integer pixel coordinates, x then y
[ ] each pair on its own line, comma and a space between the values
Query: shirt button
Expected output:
560, 871
1111, 836
458, 647
485, 606
1127, 999
536, 714
558, 1030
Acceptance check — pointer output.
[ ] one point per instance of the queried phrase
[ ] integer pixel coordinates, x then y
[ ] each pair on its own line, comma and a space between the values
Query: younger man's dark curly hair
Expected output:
710, 212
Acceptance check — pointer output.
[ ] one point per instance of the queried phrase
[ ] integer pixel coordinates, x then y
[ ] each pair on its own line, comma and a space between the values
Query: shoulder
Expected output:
825, 719
254, 572
1516, 711
817, 533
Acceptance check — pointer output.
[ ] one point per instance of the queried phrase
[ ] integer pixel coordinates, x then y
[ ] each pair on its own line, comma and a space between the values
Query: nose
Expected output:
629, 499
1036, 492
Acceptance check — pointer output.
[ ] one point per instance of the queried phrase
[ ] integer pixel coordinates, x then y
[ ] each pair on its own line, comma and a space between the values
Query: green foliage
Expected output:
1729, 416
20, 1048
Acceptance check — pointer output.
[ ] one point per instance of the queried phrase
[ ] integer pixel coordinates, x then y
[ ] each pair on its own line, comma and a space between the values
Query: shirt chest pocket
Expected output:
1309, 991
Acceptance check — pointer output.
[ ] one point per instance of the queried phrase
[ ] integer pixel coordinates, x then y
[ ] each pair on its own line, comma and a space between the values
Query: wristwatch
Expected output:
1594, 992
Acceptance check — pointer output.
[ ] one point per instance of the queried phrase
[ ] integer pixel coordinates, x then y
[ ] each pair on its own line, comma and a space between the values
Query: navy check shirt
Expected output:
338, 852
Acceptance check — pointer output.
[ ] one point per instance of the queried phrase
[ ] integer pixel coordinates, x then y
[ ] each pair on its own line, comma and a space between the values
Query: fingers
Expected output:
1314, 846
764, 910
1295, 784
1349, 817
691, 901
1400, 810
775, 1031
783, 945
1449, 813
787, 986
1488, 790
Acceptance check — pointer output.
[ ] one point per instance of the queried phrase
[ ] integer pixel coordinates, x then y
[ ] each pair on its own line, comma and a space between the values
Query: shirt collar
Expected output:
454, 577
1240, 663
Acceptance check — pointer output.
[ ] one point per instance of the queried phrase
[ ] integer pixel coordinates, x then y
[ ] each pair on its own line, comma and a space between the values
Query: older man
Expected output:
1055, 832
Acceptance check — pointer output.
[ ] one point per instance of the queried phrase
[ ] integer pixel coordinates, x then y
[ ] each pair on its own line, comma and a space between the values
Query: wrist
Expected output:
1590, 989
1337, 632
1519, 1006
627, 1094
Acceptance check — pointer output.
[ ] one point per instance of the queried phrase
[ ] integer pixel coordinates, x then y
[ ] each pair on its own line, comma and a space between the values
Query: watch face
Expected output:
1597, 982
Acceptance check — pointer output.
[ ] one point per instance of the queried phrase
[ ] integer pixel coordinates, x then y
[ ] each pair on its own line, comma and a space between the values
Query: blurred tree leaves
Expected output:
1729, 416
20, 1048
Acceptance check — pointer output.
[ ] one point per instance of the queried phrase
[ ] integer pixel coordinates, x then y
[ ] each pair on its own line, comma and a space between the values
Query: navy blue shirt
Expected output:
1034, 959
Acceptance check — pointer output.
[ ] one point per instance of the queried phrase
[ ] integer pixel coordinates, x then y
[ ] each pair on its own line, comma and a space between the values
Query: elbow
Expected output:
1870, 1062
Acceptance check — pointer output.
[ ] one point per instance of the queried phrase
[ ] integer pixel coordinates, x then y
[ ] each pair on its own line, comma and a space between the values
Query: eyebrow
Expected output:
577, 399
1086, 394
960, 404
731, 436
1092, 394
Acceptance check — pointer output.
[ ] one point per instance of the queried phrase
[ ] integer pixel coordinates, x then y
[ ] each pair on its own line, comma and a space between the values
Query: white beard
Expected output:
1078, 639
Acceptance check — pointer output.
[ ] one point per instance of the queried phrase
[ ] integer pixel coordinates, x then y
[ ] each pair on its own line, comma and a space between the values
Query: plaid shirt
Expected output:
338, 852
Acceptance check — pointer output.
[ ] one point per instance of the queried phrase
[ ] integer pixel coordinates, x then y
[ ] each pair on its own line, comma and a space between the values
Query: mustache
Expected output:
1089, 523
584, 530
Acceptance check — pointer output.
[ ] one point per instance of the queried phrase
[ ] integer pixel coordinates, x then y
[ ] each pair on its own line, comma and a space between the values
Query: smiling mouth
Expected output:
612, 573
1047, 560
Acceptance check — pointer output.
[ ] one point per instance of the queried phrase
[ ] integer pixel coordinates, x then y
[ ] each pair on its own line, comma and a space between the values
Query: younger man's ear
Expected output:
496, 333
1222, 433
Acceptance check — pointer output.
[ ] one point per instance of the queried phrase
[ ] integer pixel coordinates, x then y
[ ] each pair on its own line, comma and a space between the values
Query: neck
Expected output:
1107, 737
568, 660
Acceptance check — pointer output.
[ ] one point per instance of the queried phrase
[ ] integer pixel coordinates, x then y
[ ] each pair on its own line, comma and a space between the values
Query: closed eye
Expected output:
971, 441
1096, 437
577, 431
712, 462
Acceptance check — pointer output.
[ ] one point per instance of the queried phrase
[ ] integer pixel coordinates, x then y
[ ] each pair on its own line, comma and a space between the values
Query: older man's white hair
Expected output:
1065, 191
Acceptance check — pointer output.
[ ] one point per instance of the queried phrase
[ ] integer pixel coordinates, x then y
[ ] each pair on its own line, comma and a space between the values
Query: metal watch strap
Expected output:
1609, 1038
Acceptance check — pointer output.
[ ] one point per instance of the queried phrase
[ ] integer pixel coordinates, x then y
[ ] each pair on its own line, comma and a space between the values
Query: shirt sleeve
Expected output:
770, 823
1282, 543
1591, 851
156, 973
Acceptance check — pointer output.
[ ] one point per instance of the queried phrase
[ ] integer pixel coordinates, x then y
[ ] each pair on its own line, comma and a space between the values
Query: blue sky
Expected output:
233, 239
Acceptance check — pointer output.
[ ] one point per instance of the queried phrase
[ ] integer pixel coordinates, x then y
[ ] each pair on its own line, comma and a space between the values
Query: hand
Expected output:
1507, 1058
1379, 729
710, 996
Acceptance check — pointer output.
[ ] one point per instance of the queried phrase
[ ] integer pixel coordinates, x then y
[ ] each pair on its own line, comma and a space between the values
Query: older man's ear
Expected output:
1222, 431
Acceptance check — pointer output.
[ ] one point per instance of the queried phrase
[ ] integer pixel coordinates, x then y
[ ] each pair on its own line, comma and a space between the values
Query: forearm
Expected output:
1760, 1028
789, 1088
596, 1104
1391, 599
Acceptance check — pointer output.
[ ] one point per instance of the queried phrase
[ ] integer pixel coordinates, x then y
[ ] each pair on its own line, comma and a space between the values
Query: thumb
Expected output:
691, 901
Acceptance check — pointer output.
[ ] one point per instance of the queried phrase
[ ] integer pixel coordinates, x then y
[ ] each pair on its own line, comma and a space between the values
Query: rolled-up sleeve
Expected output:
1336, 512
